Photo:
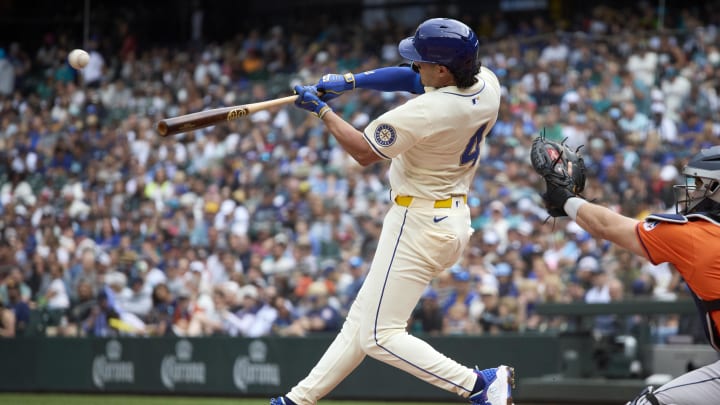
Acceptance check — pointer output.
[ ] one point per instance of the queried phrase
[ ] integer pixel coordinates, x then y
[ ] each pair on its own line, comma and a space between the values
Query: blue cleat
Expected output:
499, 383
277, 401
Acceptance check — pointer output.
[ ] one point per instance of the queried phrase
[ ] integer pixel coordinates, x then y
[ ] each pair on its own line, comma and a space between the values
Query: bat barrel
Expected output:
191, 122
162, 128
202, 119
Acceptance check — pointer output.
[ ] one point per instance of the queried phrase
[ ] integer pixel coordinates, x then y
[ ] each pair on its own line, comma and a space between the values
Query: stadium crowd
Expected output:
265, 226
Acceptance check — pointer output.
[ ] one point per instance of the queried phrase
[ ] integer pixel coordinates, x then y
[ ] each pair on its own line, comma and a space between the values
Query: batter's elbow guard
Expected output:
646, 397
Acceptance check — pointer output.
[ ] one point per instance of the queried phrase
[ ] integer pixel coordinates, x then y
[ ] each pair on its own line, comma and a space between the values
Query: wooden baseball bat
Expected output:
202, 119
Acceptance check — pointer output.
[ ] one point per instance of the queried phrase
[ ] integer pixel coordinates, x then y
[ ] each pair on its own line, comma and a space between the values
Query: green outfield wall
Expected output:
242, 367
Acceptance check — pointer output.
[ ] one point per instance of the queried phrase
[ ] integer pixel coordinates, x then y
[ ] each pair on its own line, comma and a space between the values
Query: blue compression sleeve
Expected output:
396, 78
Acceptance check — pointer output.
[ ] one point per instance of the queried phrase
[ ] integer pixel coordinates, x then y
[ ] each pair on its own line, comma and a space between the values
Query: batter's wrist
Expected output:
324, 110
349, 81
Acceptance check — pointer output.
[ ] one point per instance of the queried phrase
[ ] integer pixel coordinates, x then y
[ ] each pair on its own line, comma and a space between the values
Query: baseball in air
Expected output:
78, 58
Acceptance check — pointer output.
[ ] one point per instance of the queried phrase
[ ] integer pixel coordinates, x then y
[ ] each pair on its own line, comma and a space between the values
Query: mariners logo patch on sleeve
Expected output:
385, 135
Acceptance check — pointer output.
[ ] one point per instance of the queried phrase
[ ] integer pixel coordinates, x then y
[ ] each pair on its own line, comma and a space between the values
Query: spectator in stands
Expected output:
56, 296
643, 64
666, 128
209, 320
183, 314
675, 88
306, 261
319, 315
279, 262
257, 316
457, 321
555, 52
81, 308
16, 278
83, 269
528, 297
490, 317
505, 279
98, 322
633, 123
7, 257
39, 278
604, 289
585, 269
301, 281
7, 75
136, 298
7, 322
94, 72
177, 273
160, 317
428, 316
18, 306
507, 314
498, 222
287, 322
462, 292
356, 276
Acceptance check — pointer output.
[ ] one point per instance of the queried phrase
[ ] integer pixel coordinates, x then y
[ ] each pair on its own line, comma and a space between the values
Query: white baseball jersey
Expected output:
435, 139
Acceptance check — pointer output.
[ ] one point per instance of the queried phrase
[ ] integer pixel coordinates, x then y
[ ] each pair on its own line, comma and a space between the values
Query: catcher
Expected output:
686, 239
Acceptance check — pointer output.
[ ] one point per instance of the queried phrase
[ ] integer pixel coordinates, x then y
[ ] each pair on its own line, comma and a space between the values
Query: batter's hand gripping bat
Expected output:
202, 119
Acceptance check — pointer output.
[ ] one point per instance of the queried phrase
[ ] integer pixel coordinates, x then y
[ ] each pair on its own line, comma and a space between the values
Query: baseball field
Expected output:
88, 399
79, 399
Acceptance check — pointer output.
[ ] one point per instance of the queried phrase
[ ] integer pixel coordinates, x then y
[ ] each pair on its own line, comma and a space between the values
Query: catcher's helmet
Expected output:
701, 191
446, 42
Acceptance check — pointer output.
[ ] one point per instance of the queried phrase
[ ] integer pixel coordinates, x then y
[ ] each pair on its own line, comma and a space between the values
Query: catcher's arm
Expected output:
603, 223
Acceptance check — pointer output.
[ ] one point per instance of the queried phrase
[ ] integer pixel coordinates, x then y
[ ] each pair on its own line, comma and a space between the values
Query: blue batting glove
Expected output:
308, 99
332, 85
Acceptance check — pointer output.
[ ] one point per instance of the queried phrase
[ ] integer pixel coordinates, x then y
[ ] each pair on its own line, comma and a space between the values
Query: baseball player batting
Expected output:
687, 239
434, 142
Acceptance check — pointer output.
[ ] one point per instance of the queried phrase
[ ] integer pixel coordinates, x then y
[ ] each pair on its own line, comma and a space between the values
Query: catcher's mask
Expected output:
701, 191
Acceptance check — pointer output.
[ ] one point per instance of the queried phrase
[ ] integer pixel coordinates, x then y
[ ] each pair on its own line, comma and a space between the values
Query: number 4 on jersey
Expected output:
472, 149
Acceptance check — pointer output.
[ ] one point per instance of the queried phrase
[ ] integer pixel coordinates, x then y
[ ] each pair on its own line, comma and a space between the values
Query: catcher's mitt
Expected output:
563, 170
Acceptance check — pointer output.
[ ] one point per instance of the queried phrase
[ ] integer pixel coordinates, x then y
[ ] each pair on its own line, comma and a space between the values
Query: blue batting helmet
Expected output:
446, 42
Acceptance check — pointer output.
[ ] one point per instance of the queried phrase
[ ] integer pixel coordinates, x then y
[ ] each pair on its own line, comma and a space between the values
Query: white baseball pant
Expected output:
416, 243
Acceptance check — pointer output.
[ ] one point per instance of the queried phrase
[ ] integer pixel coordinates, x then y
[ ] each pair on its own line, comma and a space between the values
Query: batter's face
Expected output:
434, 75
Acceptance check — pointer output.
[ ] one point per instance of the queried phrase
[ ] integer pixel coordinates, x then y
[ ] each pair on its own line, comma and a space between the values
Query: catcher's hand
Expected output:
563, 171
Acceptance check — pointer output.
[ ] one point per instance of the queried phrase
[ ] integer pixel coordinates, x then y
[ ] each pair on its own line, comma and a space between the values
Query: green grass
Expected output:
99, 399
